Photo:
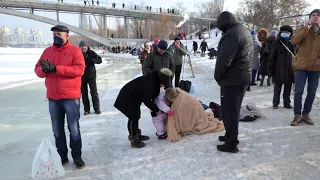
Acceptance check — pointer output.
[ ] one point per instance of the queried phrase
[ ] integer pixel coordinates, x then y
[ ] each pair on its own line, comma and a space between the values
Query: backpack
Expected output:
185, 85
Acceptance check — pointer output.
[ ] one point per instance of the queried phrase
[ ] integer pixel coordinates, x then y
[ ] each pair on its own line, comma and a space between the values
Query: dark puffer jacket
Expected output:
91, 58
235, 52
280, 62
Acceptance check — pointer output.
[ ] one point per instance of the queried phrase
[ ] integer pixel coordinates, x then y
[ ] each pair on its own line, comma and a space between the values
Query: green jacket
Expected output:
178, 53
154, 62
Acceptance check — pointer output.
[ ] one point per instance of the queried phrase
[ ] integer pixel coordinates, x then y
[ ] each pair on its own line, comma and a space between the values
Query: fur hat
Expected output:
163, 45
263, 31
172, 93
314, 11
165, 76
286, 28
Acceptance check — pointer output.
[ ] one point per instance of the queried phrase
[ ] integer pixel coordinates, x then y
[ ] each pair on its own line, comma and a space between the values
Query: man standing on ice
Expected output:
89, 78
62, 64
232, 73
178, 50
307, 67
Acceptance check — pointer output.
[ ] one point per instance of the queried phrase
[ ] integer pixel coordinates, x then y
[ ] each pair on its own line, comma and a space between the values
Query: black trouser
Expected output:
133, 126
286, 94
231, 100
94, 94
177, 75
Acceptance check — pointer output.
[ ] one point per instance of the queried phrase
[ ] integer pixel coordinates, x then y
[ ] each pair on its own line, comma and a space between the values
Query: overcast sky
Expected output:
73, 19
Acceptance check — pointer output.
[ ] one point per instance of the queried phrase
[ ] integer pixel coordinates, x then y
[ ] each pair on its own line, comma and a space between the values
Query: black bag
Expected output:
185, 85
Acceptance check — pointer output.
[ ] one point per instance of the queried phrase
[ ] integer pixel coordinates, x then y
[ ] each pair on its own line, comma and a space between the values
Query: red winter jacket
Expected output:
65, 83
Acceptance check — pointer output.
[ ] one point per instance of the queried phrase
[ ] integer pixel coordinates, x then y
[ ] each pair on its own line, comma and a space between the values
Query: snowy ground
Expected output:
269, 147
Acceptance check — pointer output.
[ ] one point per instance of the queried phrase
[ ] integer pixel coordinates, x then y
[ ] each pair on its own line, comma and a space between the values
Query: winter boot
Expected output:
268, 83
135, 142
261, 83
288, 106
163, 136
227, 148
64, 159
142, 137
307, 119
78, 162
296, 120
222, 138
86, 113
97, 111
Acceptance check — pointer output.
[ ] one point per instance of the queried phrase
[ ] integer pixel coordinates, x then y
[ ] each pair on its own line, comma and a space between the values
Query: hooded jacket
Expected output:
235, 52
178, 53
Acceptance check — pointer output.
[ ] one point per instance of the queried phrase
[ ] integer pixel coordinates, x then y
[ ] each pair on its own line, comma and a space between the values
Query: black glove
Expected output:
44, 66
47, 66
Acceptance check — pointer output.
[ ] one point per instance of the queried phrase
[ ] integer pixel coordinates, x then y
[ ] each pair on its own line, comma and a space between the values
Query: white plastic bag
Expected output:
47, 162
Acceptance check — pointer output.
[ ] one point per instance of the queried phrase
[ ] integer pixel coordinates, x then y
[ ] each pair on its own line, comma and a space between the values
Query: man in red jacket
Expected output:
62, 64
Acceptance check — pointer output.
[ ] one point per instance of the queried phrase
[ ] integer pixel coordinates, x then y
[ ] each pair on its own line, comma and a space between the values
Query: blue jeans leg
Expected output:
301, 77
57, 114
313, 82
72, 109
254, 73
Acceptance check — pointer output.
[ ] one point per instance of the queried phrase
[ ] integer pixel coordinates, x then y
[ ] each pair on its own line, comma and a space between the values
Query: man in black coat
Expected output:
232, 73
143, 89
89, 78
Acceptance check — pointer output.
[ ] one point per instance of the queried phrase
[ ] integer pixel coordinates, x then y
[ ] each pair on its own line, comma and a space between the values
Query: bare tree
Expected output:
210, 9
137, 23
265, 13
164, 27
180, 7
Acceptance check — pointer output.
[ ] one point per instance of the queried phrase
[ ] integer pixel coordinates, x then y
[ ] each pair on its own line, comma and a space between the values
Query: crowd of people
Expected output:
286, 57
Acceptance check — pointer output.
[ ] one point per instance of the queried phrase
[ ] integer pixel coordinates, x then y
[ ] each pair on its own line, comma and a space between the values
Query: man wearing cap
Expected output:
62, 66
178, 50
143, 89
89, 78
307, 67
159, 58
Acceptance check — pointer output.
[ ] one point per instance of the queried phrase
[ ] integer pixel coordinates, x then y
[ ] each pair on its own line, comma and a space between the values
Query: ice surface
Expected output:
269, 147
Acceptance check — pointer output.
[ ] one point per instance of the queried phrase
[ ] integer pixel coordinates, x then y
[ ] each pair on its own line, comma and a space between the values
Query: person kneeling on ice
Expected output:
143, 89
189, 117
159, 120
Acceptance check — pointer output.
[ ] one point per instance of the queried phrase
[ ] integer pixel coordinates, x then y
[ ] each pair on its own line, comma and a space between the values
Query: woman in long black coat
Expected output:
280, 67
143, 89
265, 55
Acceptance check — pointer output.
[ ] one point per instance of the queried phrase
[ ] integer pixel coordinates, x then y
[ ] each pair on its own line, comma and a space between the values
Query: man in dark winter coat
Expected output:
143, 89
280, 66
159, 58
232, 73
203, 47
89, 78
195, 47
178, 50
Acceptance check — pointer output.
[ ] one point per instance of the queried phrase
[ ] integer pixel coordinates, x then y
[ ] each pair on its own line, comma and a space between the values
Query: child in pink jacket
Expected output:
159, 120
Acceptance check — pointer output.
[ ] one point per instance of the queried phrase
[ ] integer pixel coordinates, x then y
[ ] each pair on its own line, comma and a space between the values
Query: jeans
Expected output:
286, 94
313, 80
71, 108
254, 74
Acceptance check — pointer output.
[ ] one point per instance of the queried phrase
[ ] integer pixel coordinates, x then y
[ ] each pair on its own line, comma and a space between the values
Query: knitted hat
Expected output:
165, 76
314, 11
273, 33
253, 32
177, 38
156, 40
163, 45
286, 28
82, 43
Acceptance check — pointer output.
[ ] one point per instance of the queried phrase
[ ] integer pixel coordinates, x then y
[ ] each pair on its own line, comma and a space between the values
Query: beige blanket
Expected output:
189, 116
